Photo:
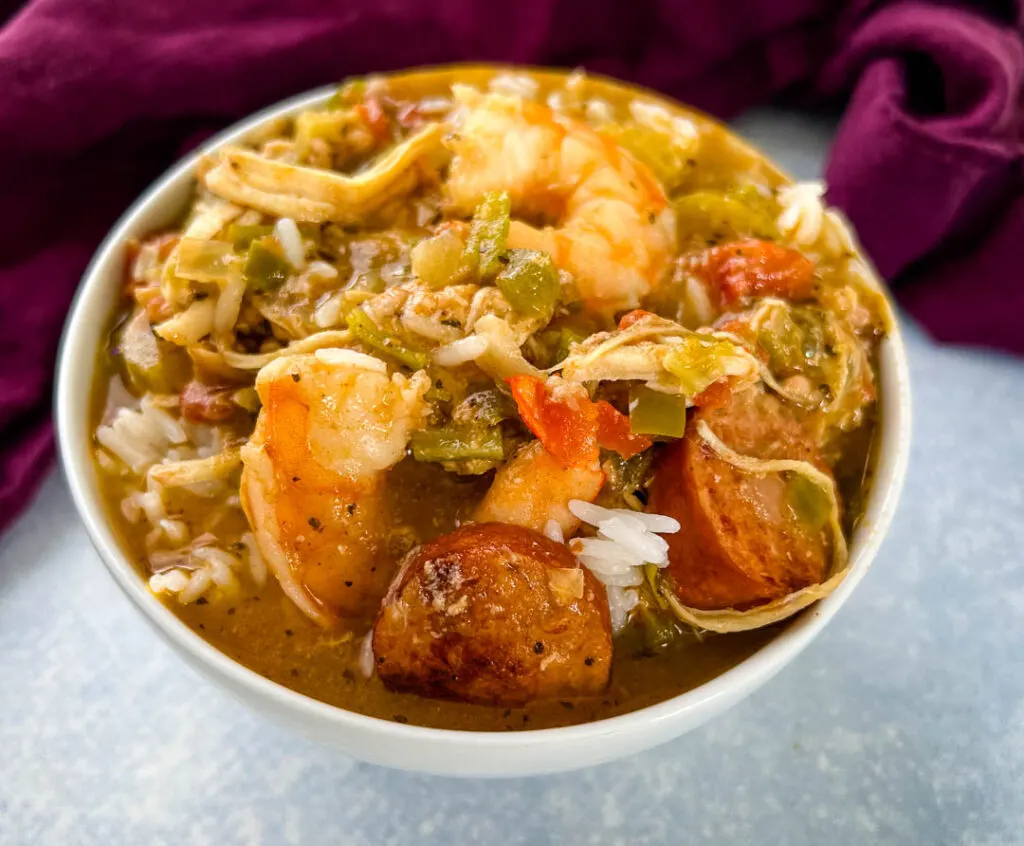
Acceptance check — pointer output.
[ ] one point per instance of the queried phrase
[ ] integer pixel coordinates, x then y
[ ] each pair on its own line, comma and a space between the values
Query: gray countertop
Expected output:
903, 722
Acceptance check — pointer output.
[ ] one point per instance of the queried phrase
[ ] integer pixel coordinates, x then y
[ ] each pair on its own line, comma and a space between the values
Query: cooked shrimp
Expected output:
534, 488
613, 227
332, 423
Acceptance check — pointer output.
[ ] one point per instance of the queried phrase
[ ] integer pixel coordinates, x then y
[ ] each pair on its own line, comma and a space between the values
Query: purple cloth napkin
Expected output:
98, 96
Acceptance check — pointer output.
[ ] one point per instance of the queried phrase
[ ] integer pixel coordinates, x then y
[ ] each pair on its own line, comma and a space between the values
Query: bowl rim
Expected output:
75, 360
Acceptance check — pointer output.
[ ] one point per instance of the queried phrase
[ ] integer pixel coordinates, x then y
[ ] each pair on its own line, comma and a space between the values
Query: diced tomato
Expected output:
613, 432
757, 268
567, 430
574, 429
408, 116
372, 114
715, 395
634, 316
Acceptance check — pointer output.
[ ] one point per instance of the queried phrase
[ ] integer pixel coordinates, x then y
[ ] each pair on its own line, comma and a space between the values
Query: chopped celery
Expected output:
529, 282
241, 236
489, 234
362, 326
350, 92
657, 149
567, 337
719, 215
655, 413
653, 575
438, 261
698, 361
140, 350
809, 503
266, 268
554, 345
660, 629
783, 340
487, 408
458, 444
795, 338
204, 261
247, 398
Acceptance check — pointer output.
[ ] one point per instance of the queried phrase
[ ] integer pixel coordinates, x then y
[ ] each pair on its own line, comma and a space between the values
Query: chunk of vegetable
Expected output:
659, 628
660, 151
655, 413
458, 444
529, 281
573, 428
487, 408
266, 267
140, 350
698, 361
614, 433
715, 215
758, 268
362, 326
489, 234
567, 429
438, 261
567, 337
808, 501
241, 236
204, 261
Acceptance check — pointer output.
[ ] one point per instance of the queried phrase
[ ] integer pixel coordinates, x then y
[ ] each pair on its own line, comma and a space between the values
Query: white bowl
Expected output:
379, 741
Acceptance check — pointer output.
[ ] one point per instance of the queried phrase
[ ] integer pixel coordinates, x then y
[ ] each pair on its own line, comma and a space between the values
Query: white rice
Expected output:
141, 438
174, 530
220, 564
198, 584
329, 312
287, 233
620, 602
803, 214
257, 566
434, 105
553, 531
514, 85
625, 542
171, 581
351, 358
366, 655
461, 351
191, 572
322, 270
809, 224
683, 131
599, 111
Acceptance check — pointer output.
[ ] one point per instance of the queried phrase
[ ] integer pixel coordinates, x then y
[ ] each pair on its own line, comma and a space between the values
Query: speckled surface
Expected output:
902, 724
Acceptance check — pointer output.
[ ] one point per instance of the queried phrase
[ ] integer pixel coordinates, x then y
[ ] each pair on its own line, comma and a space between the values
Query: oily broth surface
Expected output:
264, 631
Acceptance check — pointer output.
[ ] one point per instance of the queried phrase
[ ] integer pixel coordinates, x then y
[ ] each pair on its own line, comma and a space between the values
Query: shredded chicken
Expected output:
314, 195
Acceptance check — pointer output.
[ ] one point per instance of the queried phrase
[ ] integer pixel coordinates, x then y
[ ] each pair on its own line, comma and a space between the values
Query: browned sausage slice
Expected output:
740, 542
494, 614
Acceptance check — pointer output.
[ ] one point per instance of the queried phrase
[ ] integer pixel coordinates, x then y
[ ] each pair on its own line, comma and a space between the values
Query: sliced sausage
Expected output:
740, 542
493, 614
